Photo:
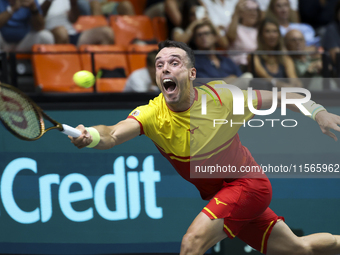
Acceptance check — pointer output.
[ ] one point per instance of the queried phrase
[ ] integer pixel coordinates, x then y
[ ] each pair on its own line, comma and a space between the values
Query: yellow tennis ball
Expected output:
84, 79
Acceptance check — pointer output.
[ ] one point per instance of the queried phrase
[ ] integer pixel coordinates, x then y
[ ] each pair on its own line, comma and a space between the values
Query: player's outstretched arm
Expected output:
326, 120
105, 137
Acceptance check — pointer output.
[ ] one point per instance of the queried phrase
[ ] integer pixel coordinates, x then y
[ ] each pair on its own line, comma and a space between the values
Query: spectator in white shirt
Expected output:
220, 12
144, 79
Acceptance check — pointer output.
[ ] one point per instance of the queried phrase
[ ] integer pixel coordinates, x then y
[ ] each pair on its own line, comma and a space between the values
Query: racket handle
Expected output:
70, 131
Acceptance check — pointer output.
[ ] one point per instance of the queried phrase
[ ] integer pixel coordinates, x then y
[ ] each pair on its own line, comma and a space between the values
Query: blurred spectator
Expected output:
212, 65
280, 10
331, 40
173, 14
317, 13
220, 12
60, 14
104, 7
22, 25
294, 5
154, 8
242, 32
189, 20
273, 67
144, 79
305, 65
193, 14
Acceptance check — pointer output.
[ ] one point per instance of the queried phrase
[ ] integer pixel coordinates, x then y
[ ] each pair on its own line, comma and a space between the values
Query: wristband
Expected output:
95, 137
313, 108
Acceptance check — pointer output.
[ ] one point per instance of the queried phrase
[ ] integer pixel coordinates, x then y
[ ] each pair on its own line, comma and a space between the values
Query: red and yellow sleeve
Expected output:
145, 115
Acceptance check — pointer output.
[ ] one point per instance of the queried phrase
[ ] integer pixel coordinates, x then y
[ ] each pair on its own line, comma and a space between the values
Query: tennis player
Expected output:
238, 205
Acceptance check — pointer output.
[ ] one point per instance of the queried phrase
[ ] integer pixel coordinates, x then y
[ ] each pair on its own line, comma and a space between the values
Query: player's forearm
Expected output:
107, 138
312, 107
292, 107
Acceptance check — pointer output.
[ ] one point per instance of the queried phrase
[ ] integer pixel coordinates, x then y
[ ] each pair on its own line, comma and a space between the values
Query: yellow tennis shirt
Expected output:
189, 138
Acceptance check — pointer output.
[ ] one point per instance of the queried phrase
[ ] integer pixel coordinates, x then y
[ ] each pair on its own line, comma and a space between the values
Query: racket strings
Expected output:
18, 114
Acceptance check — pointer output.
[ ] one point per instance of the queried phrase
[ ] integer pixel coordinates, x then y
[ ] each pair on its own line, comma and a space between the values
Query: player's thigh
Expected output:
283, 241
204, 232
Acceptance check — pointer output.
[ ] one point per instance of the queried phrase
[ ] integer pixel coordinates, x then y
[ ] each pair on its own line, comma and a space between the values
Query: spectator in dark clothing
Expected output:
212, 65
274, 68
317, 13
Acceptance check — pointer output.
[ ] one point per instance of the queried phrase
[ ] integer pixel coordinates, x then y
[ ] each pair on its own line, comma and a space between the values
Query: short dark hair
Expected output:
150, 58
181, 45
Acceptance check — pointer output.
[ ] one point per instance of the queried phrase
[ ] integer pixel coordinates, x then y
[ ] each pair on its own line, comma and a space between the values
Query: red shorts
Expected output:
244, 206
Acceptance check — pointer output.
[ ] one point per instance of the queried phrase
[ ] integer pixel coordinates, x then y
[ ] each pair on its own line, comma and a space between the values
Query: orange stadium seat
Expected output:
113, 56
138, 5
54, 67
137, 55
160, 28
127, 28
88, 22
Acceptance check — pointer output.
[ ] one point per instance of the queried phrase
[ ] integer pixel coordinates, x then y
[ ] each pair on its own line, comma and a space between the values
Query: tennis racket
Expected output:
23, 118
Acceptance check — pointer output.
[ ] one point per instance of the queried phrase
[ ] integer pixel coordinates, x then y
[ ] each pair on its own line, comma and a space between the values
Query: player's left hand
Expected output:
328, 121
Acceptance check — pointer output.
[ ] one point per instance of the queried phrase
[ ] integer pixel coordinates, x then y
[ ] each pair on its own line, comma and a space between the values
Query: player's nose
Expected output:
165, 69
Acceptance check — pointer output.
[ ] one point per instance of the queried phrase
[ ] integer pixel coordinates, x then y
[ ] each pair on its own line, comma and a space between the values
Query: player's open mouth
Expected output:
169, 85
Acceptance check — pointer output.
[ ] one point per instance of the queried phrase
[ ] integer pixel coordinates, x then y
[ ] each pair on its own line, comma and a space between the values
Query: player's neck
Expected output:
186, 104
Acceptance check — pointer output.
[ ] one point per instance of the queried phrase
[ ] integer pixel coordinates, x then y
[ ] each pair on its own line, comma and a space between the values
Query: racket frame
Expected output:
40, 114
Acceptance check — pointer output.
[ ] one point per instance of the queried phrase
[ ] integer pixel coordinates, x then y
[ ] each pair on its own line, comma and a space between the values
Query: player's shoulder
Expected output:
153, 106
214, 87
158, 101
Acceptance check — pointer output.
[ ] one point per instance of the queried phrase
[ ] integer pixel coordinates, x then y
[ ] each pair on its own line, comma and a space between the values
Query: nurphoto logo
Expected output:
238, 104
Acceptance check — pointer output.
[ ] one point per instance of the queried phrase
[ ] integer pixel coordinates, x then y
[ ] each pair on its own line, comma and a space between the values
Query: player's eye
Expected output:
174, 63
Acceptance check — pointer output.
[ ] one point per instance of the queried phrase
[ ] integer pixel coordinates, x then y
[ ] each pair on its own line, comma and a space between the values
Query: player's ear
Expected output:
192, 74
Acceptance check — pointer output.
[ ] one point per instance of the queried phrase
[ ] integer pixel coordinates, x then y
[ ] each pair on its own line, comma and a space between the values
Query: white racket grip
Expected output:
71, 131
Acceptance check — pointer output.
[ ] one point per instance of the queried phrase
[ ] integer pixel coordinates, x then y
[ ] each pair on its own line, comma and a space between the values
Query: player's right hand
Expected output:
83, 140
